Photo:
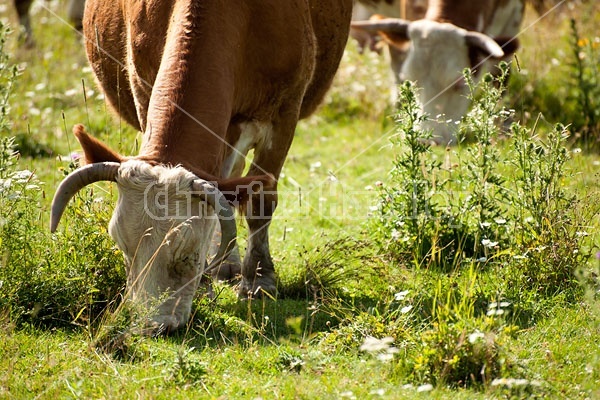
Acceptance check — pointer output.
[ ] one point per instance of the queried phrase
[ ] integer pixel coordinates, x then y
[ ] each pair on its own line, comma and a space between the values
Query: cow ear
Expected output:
94, 150
509, 45
238, 190
392, 29
483, 44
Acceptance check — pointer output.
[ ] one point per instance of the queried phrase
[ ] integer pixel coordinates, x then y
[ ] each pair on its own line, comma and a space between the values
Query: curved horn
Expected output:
395, 26
77, 180
484, 43
224, 211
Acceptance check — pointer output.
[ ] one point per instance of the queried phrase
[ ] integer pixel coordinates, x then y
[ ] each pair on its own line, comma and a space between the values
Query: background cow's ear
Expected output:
94, 150
238, 190
509, 45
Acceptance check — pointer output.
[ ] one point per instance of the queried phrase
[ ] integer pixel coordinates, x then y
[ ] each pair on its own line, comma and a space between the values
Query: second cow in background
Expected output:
454, 35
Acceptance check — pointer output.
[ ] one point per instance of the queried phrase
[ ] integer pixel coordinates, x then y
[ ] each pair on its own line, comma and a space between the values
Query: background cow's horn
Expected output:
394, 26
484, 43
216, 199
77, 180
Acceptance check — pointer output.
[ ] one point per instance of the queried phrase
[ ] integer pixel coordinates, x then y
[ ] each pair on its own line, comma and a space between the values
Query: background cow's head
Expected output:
438, 54
163, 222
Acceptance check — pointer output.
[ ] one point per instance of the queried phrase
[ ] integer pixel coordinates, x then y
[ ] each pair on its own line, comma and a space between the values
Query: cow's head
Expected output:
163, 222
438, 54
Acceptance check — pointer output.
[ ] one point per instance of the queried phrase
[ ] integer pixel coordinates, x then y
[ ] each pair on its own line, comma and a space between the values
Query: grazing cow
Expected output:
205, 81
75, 13
455, 34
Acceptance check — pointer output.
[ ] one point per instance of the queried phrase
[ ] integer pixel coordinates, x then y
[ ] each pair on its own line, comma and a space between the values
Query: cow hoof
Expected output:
228, 271
258, 288
161, 325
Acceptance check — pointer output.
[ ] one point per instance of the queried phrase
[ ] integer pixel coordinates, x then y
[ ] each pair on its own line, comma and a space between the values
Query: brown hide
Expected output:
465, 14
183, 83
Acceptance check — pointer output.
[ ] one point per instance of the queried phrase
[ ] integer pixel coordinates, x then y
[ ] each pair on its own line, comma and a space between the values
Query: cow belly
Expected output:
253, 135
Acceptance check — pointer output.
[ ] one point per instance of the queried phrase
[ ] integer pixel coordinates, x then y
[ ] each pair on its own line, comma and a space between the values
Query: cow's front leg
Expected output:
258, 272
231, 268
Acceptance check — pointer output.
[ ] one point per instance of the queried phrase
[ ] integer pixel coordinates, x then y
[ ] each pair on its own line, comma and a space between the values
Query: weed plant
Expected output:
479, 213
44, 280
484, 207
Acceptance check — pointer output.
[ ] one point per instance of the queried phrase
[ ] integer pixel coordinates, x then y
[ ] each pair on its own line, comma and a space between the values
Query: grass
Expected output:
342, 293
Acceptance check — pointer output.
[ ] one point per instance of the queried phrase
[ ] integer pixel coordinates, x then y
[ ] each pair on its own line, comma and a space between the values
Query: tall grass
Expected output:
49, 280
491, 234
482, 205
558, 72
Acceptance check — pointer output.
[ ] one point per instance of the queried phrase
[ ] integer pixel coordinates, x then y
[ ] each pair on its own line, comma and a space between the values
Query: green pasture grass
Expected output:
336, 287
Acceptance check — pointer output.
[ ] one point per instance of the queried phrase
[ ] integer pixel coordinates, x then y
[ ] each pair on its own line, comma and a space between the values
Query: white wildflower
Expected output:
492, 312
428, 387
489, 243
401, 295
374, 345
510, 382
475, 336
387, 356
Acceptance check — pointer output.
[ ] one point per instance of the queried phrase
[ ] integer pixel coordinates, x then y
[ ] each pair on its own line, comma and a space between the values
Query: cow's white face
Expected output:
164, 232
436, 59
438, 55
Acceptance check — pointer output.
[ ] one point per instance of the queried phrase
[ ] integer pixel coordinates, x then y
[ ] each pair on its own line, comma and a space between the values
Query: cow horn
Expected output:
394, 26
77, 180
224, 211
484, 43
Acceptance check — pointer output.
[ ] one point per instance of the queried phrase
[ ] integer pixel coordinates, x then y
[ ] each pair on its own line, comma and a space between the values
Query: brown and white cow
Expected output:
205, 81
455, 34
